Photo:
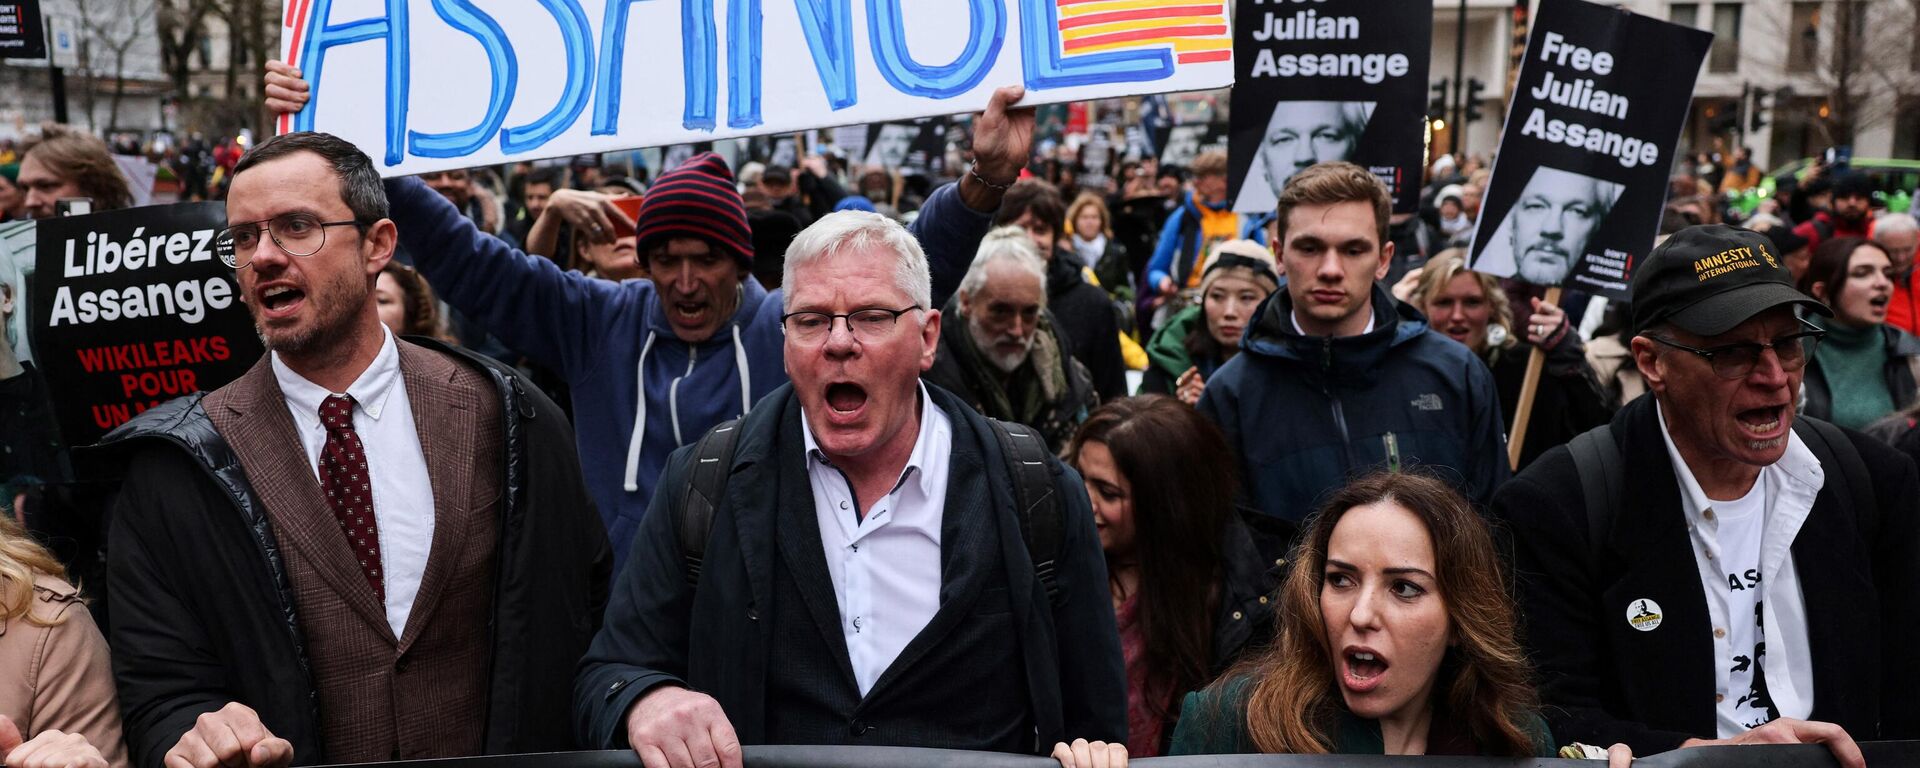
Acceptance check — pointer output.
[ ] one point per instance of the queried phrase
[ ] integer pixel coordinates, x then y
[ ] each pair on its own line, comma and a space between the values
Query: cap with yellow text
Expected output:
1709, 279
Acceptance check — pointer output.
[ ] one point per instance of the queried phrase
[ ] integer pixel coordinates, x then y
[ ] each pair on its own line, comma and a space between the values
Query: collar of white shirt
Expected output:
1295, 317
916, 461
369, 392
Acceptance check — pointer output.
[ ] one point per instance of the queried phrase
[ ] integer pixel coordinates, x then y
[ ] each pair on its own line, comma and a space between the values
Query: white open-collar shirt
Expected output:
885, 566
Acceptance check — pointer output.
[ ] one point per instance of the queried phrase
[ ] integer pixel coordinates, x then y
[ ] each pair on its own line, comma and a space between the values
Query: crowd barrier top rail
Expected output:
1878, 754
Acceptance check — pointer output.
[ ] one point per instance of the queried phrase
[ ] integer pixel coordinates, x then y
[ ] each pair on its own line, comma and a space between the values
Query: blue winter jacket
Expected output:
605, 338
1179, 244
1307, 413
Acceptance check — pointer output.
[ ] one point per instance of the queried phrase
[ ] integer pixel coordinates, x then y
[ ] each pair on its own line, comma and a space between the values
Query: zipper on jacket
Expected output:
673, 395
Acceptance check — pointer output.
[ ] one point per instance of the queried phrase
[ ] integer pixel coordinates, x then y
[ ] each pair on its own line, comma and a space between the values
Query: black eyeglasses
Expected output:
866, 325
299, 234
1735, 361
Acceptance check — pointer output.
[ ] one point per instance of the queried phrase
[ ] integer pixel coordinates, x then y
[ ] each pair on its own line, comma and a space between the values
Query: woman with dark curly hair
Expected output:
406, 303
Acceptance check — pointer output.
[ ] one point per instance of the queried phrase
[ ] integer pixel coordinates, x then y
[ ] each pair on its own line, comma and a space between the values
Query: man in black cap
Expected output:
1852, 208
1753, 582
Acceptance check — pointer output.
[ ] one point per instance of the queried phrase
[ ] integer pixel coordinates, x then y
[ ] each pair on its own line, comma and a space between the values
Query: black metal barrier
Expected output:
1879, 755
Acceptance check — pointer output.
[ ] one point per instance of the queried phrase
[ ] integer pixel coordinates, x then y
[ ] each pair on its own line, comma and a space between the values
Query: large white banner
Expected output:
425, 85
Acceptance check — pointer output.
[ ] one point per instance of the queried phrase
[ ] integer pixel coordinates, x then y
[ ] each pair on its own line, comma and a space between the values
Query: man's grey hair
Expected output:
847, 231
1010, 244
1894, 224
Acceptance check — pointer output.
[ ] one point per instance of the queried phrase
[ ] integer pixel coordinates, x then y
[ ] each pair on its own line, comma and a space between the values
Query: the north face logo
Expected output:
1427, 402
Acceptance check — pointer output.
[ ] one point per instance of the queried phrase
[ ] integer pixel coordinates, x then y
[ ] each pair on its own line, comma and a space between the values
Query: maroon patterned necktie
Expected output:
343, 475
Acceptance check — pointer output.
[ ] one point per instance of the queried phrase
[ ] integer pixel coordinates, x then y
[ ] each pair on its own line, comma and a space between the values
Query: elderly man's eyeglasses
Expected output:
1735, 361
866, 325
299, 234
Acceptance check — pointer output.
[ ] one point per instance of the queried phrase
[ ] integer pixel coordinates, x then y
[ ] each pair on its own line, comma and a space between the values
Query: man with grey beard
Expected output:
1005, 356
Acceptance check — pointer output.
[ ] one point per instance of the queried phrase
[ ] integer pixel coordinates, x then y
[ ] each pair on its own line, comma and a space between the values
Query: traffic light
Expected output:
1757, 114
1437, 109
1474, 87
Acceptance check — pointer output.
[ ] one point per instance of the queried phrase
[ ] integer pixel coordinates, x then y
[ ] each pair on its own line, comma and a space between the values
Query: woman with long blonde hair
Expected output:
57, 703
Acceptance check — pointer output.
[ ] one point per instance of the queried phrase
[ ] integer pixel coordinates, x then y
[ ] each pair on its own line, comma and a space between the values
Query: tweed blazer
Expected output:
424, 693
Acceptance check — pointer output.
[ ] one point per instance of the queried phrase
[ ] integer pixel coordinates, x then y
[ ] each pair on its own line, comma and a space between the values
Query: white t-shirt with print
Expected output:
1739, 526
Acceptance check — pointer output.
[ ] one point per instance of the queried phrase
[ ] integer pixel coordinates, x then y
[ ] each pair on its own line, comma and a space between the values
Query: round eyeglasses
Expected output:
299, 234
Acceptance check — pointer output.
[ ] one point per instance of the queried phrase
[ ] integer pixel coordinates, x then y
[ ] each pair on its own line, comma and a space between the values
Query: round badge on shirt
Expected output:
1644, 614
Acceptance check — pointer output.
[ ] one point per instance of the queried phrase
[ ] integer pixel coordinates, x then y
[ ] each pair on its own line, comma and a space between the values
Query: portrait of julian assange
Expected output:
1546, 233
1299, 134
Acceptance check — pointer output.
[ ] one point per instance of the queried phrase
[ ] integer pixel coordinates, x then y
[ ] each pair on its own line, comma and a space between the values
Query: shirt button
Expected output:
1708, 514
1263, 599
843, 505
1718, 632
1236, 615
1719, 697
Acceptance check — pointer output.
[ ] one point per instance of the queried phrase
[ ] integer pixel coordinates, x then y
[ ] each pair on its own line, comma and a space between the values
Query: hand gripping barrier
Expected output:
1878, 754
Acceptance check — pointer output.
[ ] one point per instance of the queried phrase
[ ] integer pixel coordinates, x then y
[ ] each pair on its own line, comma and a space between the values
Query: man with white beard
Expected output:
1005, 356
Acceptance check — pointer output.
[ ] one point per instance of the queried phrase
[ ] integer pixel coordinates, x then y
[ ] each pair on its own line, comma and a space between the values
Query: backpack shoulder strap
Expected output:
1834, 450
1039, 508
1597, 458
706, 485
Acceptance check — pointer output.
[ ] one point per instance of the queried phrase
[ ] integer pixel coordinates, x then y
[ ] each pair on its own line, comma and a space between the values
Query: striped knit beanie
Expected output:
697, 199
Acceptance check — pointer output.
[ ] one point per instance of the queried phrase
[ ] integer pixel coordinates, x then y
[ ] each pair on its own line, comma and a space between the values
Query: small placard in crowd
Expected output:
1334, 80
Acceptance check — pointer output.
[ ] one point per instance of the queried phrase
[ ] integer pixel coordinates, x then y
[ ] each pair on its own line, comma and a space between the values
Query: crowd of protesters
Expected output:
549, 458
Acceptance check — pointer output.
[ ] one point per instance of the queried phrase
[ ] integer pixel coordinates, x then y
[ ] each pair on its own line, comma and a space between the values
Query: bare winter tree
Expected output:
109, 29
181, 24
1852, 58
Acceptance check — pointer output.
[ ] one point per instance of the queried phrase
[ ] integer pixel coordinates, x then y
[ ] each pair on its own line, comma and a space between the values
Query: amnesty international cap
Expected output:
1708, 279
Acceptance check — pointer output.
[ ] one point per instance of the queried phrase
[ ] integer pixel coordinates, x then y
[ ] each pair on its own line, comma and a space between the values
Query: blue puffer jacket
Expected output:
639, 392
1307, 413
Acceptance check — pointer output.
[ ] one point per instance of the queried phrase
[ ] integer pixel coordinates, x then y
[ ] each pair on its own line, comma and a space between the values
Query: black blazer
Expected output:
1603, 681
717, 638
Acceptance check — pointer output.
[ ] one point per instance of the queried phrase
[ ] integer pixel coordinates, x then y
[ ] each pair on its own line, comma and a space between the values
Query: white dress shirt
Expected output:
1787, 488
885, 567
403, 508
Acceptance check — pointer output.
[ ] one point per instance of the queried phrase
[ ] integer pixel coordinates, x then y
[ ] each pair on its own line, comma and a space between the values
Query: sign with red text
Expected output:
133, 308
425, 85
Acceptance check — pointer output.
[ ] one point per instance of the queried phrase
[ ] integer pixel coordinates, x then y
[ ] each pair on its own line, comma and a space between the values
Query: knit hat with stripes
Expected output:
697, 199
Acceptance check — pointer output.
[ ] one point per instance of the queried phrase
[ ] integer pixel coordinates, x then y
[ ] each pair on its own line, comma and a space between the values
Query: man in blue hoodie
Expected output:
654, 363
1352, 379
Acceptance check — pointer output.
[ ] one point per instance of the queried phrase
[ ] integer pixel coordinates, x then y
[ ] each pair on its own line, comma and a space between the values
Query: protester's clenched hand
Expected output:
1003, 135
47, 749
673, 727
589, 213
285, 91
1190, 386
1787, 730
1547, 326
1084, 754
233, 737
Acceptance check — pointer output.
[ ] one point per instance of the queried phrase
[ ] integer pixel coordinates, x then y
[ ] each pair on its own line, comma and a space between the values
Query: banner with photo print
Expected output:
133, 308
1578, 187
1330, 80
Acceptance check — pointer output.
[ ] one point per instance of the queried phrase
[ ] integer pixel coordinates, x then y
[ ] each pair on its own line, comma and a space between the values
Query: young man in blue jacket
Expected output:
1336, 377
653, 364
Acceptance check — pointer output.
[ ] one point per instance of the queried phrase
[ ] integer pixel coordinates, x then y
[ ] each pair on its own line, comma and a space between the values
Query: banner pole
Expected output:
1528, 388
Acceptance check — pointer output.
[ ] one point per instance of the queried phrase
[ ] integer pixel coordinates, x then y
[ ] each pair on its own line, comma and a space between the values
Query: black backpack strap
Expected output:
1602, 471
1041, 514
706, 485
1834, 450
